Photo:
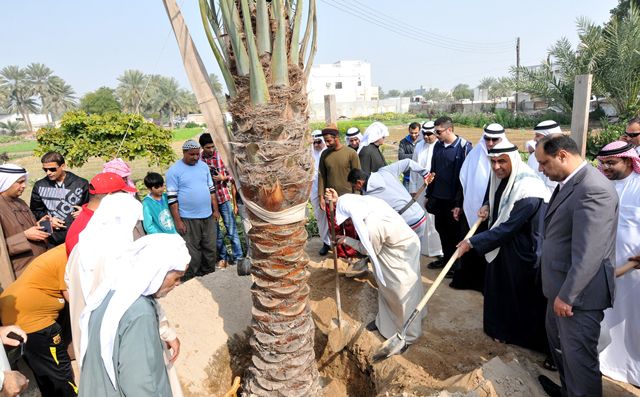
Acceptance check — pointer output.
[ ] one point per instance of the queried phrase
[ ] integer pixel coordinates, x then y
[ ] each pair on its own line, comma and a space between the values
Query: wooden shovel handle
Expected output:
626, 267
446, 268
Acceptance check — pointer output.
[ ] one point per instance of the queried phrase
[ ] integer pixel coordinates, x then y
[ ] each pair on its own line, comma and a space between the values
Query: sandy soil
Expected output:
453, 357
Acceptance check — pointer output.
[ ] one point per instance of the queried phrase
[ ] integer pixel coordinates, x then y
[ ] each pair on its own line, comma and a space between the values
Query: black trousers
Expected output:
46, 354
201, 243
447, 227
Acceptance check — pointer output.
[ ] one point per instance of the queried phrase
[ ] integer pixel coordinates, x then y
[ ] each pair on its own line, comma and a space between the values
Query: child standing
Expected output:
155, 206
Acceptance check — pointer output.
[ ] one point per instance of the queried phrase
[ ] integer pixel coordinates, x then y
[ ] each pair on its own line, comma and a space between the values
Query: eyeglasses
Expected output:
610, 163
50, 169
486, 138
438, 132
428, 133
631, 134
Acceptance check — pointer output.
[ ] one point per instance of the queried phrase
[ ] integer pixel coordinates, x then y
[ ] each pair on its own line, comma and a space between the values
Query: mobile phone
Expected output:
46, 226
13, 335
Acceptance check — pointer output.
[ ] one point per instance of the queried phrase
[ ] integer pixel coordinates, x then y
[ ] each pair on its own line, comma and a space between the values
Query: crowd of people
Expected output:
557, 238
91, 257
554, 255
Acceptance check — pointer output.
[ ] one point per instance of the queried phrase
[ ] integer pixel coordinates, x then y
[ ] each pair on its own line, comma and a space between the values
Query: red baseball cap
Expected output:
108, 182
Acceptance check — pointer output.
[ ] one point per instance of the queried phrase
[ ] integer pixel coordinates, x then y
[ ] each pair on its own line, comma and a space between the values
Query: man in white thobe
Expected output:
430, 244
544, 128
321, 216
394, 250
620, 329
384, 184
474, 178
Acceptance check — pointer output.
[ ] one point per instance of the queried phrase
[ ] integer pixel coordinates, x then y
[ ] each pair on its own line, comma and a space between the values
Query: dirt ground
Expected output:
453, 357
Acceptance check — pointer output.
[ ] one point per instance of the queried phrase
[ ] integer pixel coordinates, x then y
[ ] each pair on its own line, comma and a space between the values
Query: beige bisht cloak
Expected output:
394, 250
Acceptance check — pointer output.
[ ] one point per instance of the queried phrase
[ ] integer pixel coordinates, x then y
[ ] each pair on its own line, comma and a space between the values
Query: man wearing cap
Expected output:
474, 178
430, 244
353, 138
444, 195
619, 359
317, 148
406, 147
632, 133
334, 166
192, 196
100, 186
514, 307
59, 194
542, 129
384, 185
578, 256
371, 158
24, 237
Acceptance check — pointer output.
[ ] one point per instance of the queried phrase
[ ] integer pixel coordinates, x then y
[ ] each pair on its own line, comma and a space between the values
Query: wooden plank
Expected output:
330, 110
580, 114
7, 276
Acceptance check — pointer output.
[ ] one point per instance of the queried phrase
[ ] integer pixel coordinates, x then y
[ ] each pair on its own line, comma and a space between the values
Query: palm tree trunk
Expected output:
25, 116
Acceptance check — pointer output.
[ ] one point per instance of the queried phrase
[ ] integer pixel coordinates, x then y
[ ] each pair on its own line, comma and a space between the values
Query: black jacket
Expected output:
47, 198
371, 159
405, 151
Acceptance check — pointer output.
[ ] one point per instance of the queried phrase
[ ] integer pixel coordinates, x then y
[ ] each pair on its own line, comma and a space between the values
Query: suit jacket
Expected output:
578, 247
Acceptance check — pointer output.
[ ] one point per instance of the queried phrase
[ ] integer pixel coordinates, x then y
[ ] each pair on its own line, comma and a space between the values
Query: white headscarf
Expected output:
547, 127
353, 132
9, 174
109, 231
475, 171
358, 208
373, 132
141, 270
316, 135
522, 183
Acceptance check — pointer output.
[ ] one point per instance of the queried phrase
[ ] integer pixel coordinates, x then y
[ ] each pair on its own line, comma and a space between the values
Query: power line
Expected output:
406, 33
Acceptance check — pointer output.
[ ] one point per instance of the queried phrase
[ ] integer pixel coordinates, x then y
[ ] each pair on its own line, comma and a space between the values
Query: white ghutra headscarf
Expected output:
373, 132
9, 174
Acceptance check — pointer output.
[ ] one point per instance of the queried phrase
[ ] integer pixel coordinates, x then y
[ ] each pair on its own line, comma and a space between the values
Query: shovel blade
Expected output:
339, 335
390, 347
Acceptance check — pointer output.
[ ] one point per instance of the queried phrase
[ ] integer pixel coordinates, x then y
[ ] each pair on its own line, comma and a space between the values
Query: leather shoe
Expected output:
550, 387
437, 264
324, 250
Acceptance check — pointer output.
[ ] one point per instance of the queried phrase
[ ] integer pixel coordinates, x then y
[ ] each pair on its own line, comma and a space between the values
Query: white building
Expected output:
349, 81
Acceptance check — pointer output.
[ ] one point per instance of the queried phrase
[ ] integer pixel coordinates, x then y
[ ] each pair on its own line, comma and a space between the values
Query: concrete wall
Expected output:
361, 108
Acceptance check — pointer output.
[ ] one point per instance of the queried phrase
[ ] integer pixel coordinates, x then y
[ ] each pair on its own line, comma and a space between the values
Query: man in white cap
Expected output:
371, 158
620, 333
474, 177
430, 244
514, 307
544, 128
192, 195
24, 237
353, 138
632, 133
406, 147
318, 146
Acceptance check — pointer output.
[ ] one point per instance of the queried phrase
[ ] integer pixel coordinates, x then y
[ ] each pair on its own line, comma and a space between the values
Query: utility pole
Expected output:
515, 108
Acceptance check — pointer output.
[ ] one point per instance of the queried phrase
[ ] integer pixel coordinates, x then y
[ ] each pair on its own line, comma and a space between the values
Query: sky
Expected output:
409, 43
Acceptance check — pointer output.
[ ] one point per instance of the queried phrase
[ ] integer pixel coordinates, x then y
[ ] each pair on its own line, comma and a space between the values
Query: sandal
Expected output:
549, 365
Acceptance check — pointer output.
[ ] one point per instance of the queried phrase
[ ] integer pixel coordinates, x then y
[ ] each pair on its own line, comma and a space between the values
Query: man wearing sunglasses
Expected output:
474, 177
632, 133
60, 194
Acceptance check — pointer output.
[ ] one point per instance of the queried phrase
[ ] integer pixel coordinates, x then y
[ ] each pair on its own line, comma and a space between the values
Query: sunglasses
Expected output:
50, 169
438, 132
486, 138
631, 134
428, 133
317, 142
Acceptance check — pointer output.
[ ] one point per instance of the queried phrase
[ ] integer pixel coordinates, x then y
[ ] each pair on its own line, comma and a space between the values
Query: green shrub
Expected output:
599, 138
191, 124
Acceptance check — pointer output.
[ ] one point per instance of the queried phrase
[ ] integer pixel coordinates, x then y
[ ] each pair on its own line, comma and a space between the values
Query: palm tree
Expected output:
265, 60
131, 90
11, 126
38, 78
167, 97
60, 97
19, 94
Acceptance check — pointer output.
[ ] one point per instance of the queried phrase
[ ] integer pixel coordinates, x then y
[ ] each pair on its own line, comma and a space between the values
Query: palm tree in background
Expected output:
39, 78
12, 127
131, 90
167, 97
60, 97
20, 98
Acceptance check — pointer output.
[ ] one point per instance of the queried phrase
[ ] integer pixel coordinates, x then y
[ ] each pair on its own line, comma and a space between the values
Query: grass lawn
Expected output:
182, 134
24, 146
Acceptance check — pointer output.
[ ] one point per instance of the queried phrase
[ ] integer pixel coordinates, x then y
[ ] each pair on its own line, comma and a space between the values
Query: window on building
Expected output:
338, 85
359, 83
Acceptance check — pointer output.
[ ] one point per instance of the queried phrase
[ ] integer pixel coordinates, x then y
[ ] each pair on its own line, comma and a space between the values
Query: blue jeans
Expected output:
226, 213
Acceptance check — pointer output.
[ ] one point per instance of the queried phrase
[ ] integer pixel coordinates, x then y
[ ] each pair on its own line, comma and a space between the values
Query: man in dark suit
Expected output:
578, 256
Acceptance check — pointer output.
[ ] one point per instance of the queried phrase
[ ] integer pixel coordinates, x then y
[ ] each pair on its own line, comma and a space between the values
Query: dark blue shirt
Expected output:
446, 163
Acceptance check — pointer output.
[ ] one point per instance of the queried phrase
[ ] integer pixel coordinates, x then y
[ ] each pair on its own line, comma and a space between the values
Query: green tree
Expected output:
19, 95
487, 82
81, 136
101, 101
39, 78
60, 97
434, 94
265, 60
168, 98
407, 93
131, 90
622, 9
11, 127
462, 91
394, 93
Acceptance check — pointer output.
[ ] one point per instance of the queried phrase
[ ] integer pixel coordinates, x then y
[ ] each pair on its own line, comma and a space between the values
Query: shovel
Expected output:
338, 336
398, 341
